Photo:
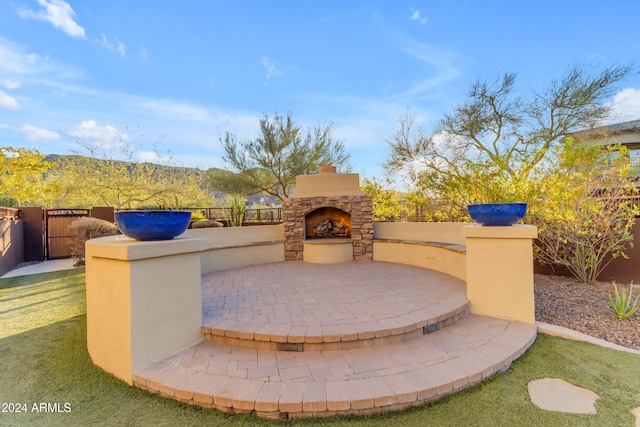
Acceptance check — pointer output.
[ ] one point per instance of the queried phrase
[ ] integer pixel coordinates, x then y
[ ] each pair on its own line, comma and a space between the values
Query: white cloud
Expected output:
16, 62
113, 44
442, 63
58, 13
7, 101
143, 53
11, 84
270, 66
626, 105
13, 61
39, 134
103, 136
154, 157
171, 110
417, 16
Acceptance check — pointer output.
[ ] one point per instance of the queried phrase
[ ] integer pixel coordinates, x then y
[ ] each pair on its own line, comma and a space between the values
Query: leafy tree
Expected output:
22, 175
230, 183
270, 162
387, 203
488, 147
583, 211
110, 177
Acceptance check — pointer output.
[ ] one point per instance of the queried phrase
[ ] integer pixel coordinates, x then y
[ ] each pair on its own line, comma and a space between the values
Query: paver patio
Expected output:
363, 337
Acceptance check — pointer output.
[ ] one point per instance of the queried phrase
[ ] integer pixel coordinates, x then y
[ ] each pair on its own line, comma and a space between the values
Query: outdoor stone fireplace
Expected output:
328, 209
327, 223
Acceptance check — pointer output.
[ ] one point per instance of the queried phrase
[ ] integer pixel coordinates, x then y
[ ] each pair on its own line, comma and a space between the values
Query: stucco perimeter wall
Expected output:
496, 262
436, 246
11, 244
143, 301
444, 232
425, 255
232, 247
500, 271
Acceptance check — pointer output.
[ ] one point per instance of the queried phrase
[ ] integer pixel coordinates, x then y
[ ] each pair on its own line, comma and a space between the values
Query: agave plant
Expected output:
621, 303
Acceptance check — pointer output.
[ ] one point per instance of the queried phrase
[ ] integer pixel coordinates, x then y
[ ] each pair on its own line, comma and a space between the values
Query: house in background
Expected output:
626, 133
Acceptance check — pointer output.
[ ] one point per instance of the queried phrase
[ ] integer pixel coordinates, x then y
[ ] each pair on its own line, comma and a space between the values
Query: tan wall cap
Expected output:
127, 249
517, 231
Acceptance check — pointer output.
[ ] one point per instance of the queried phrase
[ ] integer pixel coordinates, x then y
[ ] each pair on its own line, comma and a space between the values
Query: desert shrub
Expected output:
87, 228
584, 213
207, 224
235, 215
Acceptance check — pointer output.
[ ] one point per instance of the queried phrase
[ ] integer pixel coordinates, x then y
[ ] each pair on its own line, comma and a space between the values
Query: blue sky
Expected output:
182, 73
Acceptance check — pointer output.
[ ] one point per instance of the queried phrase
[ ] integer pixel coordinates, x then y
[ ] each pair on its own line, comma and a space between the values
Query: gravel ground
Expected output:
585, 308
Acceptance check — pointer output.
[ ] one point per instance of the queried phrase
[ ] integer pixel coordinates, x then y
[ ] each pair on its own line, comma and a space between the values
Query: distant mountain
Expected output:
261, 198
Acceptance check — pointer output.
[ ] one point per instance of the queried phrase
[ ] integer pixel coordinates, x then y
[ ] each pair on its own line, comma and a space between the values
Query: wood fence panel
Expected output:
58, 235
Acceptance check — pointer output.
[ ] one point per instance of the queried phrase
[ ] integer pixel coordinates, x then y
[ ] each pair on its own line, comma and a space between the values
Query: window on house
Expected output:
634, 157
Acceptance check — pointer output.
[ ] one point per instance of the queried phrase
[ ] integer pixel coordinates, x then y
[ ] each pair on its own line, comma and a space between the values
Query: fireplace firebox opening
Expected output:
327, 223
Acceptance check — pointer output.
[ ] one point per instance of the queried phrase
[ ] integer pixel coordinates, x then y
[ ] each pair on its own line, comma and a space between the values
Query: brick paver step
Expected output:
286, 384
298, 306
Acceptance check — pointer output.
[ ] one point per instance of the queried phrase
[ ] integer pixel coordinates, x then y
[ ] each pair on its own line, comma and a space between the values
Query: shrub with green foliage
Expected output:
87, 228
583, 211
387, 203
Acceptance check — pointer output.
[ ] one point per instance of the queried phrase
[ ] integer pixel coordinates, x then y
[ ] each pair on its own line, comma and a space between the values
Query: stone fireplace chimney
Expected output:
328, 208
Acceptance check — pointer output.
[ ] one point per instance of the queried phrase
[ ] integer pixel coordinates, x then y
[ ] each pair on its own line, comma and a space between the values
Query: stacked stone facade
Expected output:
359, 207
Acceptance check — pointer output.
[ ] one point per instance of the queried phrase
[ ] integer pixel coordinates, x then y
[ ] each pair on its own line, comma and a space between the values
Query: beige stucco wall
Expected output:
236, 236
435, 245
445, 232
430, 256
328, 184
223, 258
232, 247
328, 251
109, 315
500, 271
143, 301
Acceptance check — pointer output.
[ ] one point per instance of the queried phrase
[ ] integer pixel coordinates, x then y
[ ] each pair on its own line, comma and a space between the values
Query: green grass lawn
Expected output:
44, 360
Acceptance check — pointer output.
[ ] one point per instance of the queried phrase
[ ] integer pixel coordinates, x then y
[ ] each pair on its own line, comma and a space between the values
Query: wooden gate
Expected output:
57, 230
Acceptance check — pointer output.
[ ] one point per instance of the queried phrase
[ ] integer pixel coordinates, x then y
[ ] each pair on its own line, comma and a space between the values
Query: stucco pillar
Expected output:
500, 271
143, 301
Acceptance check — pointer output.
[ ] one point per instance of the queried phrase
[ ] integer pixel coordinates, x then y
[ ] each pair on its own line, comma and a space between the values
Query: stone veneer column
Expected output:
500, 271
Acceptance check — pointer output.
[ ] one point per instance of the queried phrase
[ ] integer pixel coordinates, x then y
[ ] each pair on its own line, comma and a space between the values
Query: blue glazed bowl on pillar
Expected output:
152, 224
497, 214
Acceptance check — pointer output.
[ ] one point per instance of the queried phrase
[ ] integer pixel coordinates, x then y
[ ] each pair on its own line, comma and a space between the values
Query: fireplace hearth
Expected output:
328, 206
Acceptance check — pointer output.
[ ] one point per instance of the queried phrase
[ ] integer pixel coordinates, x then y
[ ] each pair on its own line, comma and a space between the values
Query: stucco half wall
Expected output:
437, 246
232, 247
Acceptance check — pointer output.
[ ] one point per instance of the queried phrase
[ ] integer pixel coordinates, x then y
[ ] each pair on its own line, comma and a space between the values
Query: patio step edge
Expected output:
384, 378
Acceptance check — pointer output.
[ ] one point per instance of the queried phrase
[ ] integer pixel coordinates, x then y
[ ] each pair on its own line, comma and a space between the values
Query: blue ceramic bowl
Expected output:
153, 225
494, 214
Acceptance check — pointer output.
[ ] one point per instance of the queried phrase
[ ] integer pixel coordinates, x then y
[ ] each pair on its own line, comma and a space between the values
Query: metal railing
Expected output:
259, 215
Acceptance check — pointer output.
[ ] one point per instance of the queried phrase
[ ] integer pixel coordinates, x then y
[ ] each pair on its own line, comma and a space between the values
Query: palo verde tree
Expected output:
270, 162
22, 176
109, 176
584, 210
387, 203
487, 148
